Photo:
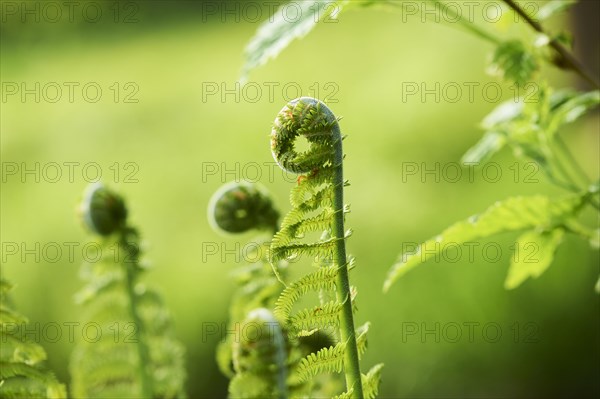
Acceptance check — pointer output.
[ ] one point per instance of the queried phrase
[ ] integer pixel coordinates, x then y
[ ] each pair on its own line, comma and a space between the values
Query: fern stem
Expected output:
131, 267
347, 331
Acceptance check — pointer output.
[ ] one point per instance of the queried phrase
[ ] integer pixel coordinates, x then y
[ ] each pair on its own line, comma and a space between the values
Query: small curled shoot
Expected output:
238, 207
103, 212
312, 119
262, 352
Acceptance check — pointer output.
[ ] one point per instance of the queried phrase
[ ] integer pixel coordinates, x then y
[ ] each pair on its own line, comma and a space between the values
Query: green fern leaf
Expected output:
514, 62
327, 360
283, 251
249, 386
21, 372
572, 106
19, 380
323, 278
541, 247
361, 338
371, 381
321, 317
513, 214
490, 143
278, 32
345, 395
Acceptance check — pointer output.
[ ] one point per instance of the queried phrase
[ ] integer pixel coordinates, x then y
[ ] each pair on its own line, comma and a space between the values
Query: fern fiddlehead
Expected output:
240, 207
132, 352
318, 206
262, 358
257, 364
21, 375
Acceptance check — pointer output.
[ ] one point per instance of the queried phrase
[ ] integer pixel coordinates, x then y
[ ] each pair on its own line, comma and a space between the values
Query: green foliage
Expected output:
131, 350
490, 143
370, 382
321, 279
21, 371
530, 126
539, 214
278, 32
544, 244
327, 360
514, 62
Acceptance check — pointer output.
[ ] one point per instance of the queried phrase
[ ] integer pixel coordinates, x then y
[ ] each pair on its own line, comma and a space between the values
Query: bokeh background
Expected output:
176, 133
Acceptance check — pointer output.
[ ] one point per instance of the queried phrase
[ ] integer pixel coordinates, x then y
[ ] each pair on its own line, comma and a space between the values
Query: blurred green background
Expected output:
175, 134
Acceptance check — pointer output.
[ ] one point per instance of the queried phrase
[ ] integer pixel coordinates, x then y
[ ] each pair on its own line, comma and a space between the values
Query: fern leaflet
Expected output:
21, 373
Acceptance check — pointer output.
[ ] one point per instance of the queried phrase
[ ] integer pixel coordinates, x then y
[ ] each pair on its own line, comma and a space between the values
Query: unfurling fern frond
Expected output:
128, 348
256, 357
21, 374
238, 207
318, 207
261, 356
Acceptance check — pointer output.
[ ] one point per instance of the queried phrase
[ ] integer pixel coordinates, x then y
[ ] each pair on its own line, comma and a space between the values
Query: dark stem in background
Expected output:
584, 20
